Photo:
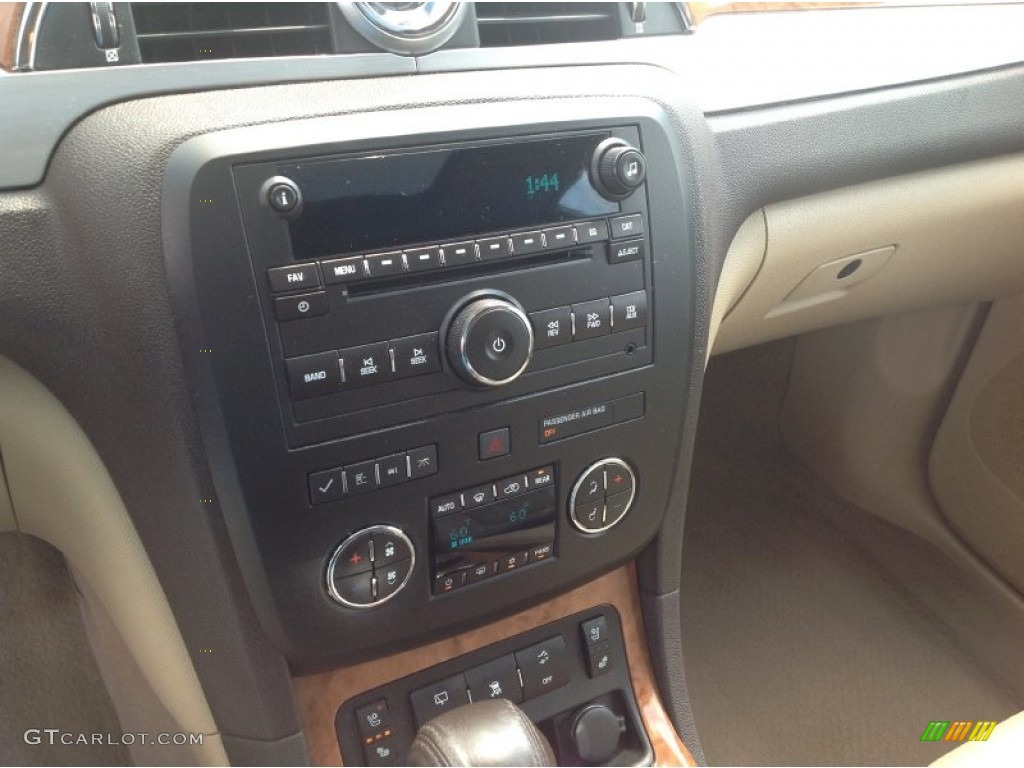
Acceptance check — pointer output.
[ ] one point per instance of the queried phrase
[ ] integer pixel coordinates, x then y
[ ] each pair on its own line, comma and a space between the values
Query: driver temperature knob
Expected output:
490, 342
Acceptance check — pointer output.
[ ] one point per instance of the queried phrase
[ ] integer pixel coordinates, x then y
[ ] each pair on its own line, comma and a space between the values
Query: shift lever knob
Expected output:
489, 733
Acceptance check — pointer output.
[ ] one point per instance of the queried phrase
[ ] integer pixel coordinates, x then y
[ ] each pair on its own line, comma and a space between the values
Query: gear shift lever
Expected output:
489, 733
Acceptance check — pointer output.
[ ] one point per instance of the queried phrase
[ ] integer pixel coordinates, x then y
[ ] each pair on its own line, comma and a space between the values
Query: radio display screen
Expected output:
381, 201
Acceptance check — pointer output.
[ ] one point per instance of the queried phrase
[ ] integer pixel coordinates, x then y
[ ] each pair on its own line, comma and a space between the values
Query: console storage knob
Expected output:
490, 342
596, 733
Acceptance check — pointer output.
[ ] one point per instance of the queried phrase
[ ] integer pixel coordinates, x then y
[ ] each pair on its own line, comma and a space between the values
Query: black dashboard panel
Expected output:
324, 428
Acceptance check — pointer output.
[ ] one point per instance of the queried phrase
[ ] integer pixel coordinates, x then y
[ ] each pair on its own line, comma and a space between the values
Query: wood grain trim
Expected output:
701, 11
320, 695
10, 18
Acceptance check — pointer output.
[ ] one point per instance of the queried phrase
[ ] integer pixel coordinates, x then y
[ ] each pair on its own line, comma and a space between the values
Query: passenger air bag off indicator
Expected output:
586, 419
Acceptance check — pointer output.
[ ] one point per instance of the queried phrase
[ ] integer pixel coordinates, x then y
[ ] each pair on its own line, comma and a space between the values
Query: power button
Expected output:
490, 342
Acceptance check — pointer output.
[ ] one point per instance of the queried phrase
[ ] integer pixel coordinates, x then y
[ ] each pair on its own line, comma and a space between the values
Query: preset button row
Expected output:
349, 269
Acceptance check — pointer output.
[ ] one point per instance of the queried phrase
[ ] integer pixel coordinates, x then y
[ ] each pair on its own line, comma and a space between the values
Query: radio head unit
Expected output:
449, 373
407, 283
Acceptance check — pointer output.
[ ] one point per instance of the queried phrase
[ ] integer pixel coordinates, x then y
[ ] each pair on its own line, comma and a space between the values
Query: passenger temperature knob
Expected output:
490, 342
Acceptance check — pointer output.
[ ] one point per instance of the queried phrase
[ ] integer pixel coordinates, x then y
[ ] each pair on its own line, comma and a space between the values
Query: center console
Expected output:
440, 357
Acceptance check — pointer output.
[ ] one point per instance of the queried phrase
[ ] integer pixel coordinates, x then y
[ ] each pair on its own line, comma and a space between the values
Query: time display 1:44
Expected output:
536, 185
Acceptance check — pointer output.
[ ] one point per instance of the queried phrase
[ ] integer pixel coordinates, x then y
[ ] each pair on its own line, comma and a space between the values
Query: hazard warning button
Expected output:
494, 443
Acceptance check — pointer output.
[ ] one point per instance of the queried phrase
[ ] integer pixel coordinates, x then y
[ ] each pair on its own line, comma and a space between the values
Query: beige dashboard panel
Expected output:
743, 260
79, 511
958, 234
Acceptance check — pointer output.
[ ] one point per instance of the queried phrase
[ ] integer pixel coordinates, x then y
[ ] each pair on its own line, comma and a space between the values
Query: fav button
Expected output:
294, 277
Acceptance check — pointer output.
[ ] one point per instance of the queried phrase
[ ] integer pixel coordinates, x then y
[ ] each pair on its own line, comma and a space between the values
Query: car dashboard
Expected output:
360, 382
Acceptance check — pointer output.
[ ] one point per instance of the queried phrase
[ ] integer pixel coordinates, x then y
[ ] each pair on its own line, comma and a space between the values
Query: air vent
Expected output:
504, 24
201, 31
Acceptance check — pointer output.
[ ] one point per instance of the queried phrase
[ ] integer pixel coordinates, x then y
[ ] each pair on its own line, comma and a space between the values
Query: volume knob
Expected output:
490, 342
617, 168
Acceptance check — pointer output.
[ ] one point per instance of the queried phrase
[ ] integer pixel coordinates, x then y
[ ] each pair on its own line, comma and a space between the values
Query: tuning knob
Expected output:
490, 342
617, 169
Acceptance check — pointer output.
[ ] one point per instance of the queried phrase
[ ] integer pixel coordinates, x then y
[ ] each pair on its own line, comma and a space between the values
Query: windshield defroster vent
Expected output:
170, 32
504, 24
